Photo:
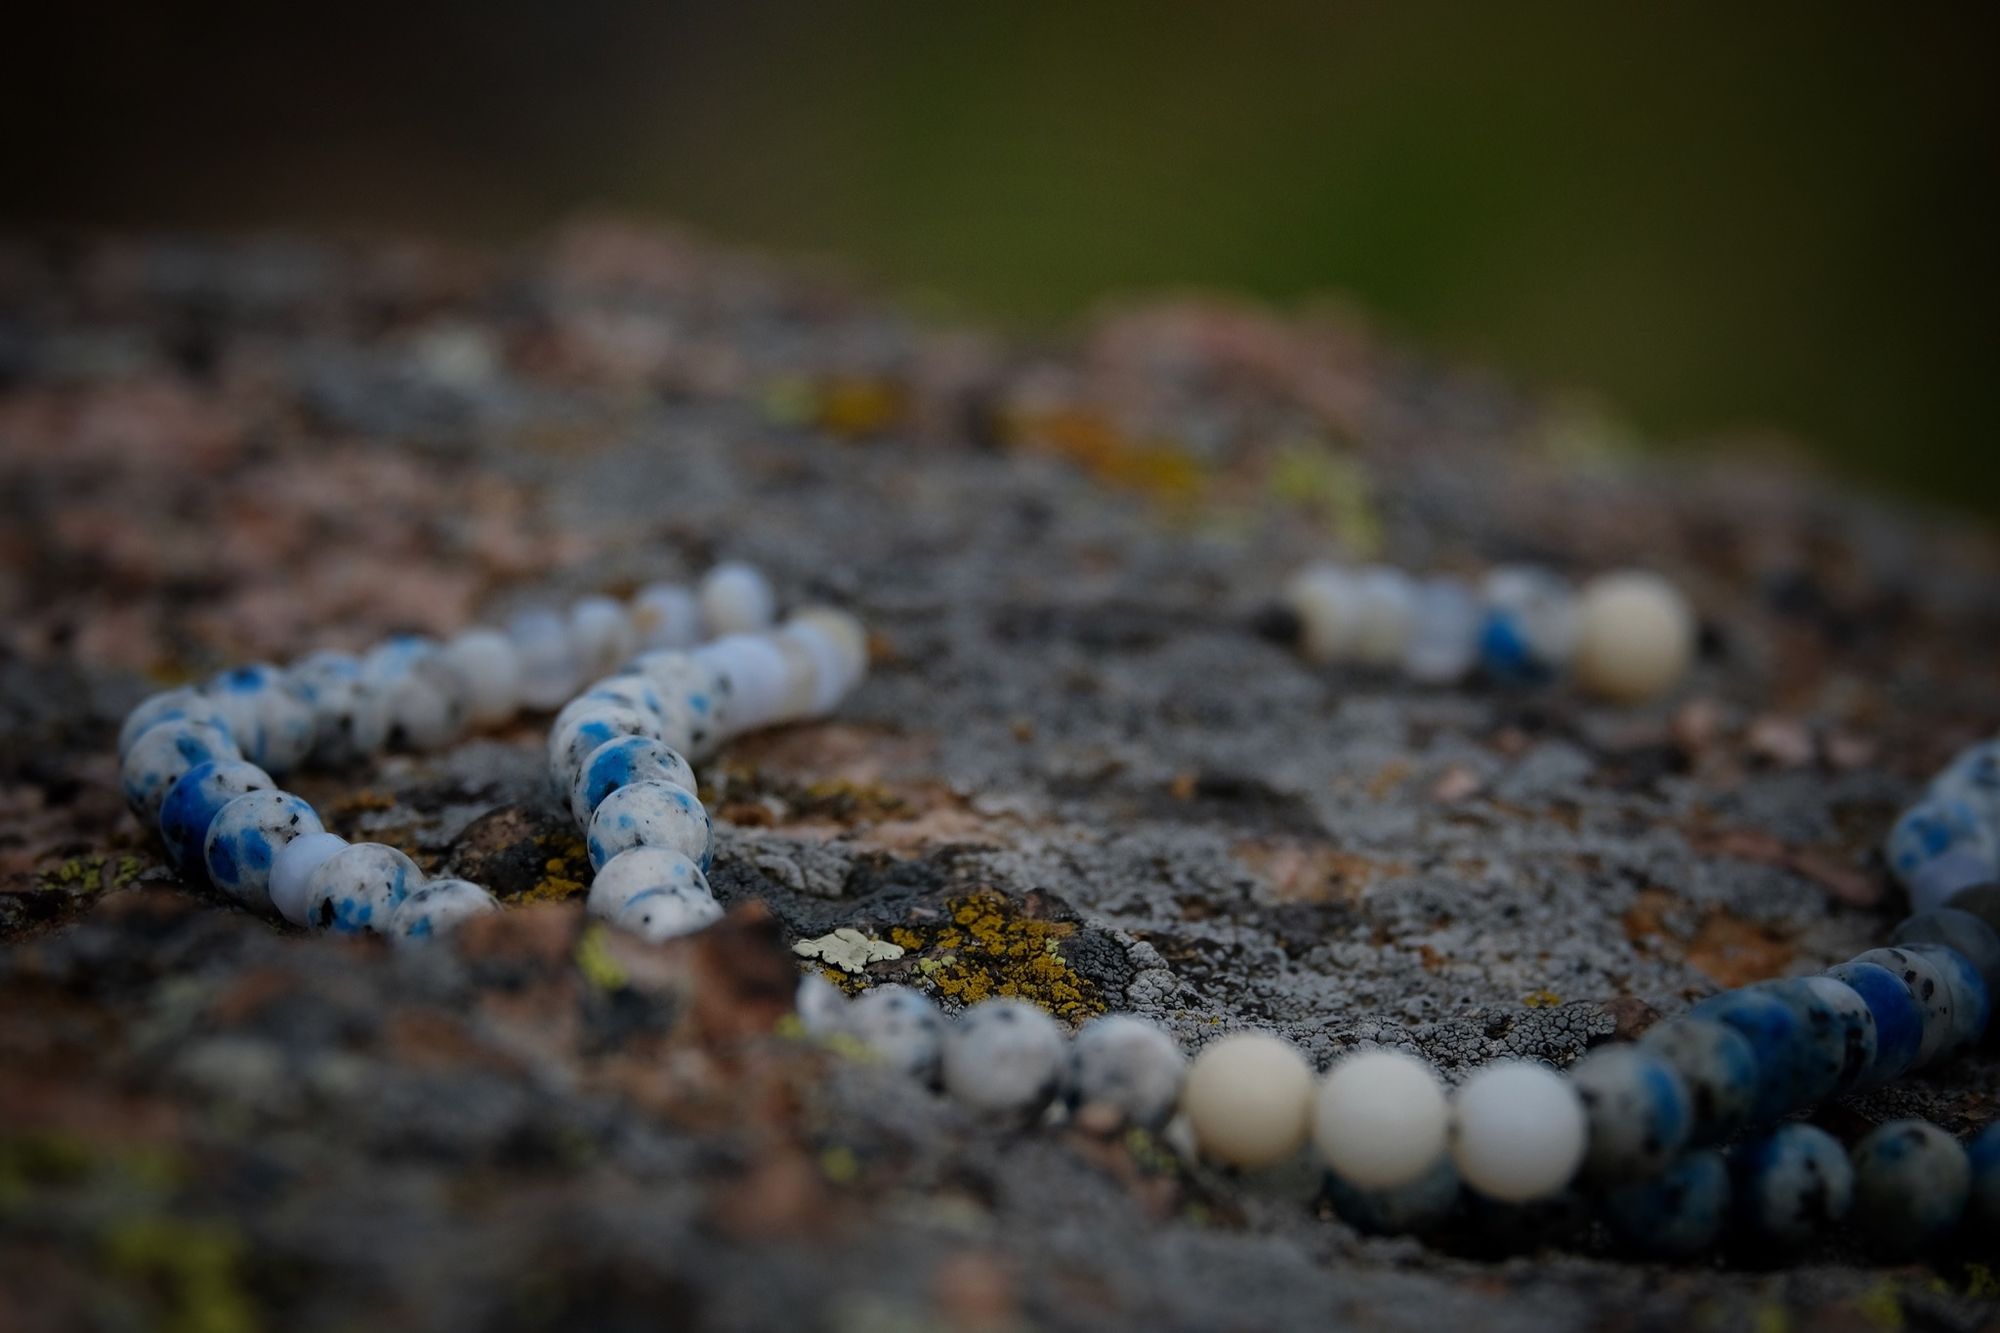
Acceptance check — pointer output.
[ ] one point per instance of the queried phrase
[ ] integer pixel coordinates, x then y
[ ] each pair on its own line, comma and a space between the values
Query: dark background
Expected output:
1726, 219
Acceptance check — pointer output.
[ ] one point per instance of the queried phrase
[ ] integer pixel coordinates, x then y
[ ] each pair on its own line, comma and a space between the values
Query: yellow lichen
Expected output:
97, 871
989, 948
1541, 999
594, 960
568, 867
840, 1165
196, 1267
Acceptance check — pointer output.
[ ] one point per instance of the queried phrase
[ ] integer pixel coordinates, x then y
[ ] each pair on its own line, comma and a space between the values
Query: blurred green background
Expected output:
1721, 217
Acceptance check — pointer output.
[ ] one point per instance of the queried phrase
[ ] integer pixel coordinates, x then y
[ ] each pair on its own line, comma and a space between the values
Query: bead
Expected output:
1956, 929
1790, 1186
1853, 1034
238, 696
1380, 1119
802, 679
1325, 600
829, 668
902, 1028
1412, 1208
438, 908
359, 888
664, 913
1928, 988
185, 704
1719, 1067
620, 763
696, 688
197, 798
1982, 1211
1385, 602
271, 719
1635, 636
821, 1006
1530, 628
666, 615
1971, 1006
1639, 1110
583, 726
488, 667
1676, 1214
849, 637
1819, 1051
736, 599
1899, 1020
601, 636
1937, 881
627, 687
1518, 1132
425, 698
1931, 831
1973, 777
1445, 622
756, 671
1911, 1184
638, 870
1248, 1098
244, 838
162, 755
1772, 1027
350, 716
292, 869
1003, 1058
1128, 1064
650, 814
549, 670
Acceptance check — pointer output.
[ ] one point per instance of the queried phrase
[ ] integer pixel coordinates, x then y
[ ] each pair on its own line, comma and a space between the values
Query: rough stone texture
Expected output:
1079, 773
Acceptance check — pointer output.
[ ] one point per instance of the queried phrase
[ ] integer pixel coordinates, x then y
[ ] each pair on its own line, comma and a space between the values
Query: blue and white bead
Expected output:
1960, 930
1004, 1058
1911, 1184
1530, 626
438, 908
245, 837
1941, 845
621, 763
1973, 777
638, 870
1640, 1111
162, 754
1971, 1007
703, 696
1445, 624
426, 699
1773, 1030
197, 798
1676, 1214
185, 704
1899, 1020
900, 1027
1129, 1065
1853, 1031
1719, 1067
1928, 987
292, 871
238, 695
650, 814
1791, 1186
359, 888
1820, 1053
350, 716
759, 674
583, 726
664, 913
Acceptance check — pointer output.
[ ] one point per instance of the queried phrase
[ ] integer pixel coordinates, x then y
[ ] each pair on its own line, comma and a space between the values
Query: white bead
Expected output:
1327, 603
902, 1028
802, 674
663, 914
1444, 633
293, 866
649, 814
185, 704
736, 599
638, 870
359, 887
1386, 602
438, 908
1004, 1058
1130, 1065
821, 1007
829, 666
666, 615
1518, 1132
1381, 1119
549, 670
1248, 1099
485, 660
601, 636
848, 634
425, 699
755, 671
583, 726
620, 763
1635, 636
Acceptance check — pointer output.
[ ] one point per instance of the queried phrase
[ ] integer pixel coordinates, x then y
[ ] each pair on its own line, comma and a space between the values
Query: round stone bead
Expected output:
1635, 636
550, 673
802, 680
244, 839
438, 908
1413, 1208
1128, 1064
1385, 604
1927, 986
1982, 1208
292, 869
1950, 833
1939, 880
736, 598
1381, 1119
849, 637
1911, 1184
650, 814
426, 699
350, 716
1820, 1050
583, 726
829, 668
1719, 1067
1899, 1021
1676, 1214
1640, 1112
620, 763
664, 913
1772, 1027
700, 694
1960, 930
1325, 600
1973, 777
1519, 1132
485, 662
821, 1007
197, 798
666, 615
185, 704
1003, 1058
1248, 1098
1790, 1186
902, 1028
271, 719
627, 687
638, 870
359, 888
1971, 1006
601, 636
1530, 626
238, 696
162, 755
1854, 1030
1445, 623
756, 671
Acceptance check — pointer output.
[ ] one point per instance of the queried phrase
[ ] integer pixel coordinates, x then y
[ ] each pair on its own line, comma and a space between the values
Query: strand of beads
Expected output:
1627, 636
1948, 843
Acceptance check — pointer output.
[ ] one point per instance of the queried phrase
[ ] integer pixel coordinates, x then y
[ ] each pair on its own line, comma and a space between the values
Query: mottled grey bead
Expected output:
1853, 1032
1127, 1063
900, 1026
1004, 1058
1929, 989
1676, 1214
1956, 928
1970, 1005
1639, 1109
1790, 1186
1911, 1184
1719, 1068
438, 908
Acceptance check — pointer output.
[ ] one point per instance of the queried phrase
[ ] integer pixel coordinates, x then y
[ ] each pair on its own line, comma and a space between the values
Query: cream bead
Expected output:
1518, 1132
1380, 1119
1249, 1099
847, 633
486, 662
1327, 603
1635, 636
736, 599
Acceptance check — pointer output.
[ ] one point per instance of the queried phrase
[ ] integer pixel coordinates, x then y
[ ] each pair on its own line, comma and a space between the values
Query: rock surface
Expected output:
1085, 771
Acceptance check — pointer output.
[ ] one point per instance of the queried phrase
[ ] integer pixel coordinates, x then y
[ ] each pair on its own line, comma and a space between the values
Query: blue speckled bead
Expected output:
1821, 1053
1128, 1064
350, 715
1899, 1020
270, 717
1927, 986
244, 838
901, 1027
359, 888
650, 814
1911, 1183
1790, 1186
1956, 929
1640, 1111
197, 798
163, 754
238, 695
427, 702
1773, 1030
620, 763
1854, 1027
1422, 1206
588, 723
186, 704
1974, 778
637, 870
438, 908
1530, 626
1971, 1006
1719, 1067
1982, 1208
1674, 1215
664, 913
1933, 830
697, 695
